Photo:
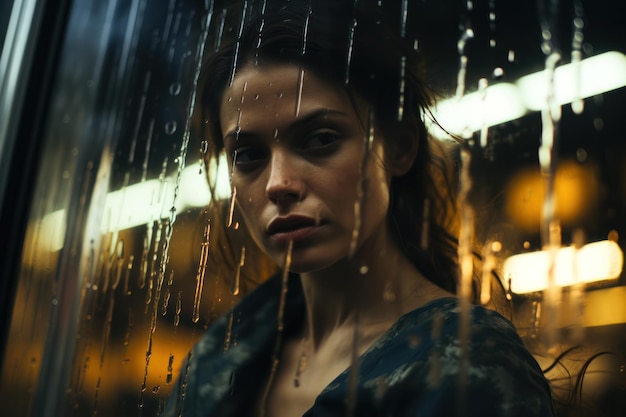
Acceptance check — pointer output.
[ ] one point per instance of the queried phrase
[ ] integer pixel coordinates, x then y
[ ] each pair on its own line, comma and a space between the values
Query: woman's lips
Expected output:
291, 228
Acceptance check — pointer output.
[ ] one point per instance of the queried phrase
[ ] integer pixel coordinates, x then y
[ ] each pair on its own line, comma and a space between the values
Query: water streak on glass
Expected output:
220, 30
403, 17
129, 269
550, 224
119, 265
577, 55
299, 87
170, 363
484, 130
145, 372
460, 80
238, 43
179, 307
489, 264
361, 196
305, 32
349, 53
103, 348
231, 210
142, 106
401, 88
260, 34
492, 21
166, 302
466, 229
466, 263
168, 21
204, 258
280, 327
236, 282
168, 294
146, 158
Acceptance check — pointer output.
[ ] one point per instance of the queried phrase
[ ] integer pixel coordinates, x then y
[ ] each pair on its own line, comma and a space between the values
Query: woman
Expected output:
319, 109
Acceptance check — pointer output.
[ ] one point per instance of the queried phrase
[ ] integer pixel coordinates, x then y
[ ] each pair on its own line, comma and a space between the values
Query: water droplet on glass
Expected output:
175, 89
510, 56
179, 307
170, 127
598, 124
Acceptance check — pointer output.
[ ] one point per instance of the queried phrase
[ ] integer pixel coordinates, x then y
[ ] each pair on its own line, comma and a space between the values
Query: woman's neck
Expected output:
371, 291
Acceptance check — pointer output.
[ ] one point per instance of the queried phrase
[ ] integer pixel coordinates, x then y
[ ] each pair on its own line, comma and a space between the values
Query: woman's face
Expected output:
296, 150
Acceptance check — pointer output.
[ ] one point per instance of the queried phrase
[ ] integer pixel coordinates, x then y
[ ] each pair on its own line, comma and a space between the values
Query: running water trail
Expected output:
280, 328
204, 258
361, 196
238, 44
550, 224
578, 104
401, 89
181, 166
237, 281
349, 53
466, 232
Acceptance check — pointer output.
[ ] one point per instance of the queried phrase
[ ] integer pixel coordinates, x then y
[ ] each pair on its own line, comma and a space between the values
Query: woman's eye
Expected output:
320, 140
245, 157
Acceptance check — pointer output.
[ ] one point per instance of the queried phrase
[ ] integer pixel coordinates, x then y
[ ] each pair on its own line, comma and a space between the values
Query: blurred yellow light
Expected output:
597, 261
576, 194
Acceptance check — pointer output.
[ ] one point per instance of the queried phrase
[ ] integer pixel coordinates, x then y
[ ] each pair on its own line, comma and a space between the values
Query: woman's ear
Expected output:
402, 154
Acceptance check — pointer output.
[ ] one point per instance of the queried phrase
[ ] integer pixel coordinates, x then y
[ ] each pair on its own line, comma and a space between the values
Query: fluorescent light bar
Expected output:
504, 102
597, 261
589, 77
497, 104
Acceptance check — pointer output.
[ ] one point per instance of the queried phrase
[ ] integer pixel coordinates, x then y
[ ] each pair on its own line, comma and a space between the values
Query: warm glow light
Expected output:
597, 261
505, 102
576, 193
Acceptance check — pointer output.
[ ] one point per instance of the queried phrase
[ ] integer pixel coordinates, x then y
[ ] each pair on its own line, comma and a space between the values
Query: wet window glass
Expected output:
138, 236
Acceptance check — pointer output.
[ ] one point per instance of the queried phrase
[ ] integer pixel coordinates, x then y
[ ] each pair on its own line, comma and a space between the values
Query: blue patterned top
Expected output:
417, 368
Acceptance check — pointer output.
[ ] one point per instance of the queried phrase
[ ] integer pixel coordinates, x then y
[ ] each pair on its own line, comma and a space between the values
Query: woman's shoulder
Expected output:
449, 315
436, 347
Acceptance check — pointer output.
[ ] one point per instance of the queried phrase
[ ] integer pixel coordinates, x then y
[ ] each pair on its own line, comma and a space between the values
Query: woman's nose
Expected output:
285, 179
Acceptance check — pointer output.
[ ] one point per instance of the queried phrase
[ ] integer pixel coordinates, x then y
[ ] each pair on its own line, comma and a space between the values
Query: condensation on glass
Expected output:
117, 280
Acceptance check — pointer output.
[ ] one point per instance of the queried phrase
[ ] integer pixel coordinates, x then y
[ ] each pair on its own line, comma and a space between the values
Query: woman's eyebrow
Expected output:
299, 122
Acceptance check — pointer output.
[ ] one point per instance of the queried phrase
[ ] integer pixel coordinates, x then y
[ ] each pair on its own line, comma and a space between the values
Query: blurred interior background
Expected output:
102, 191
